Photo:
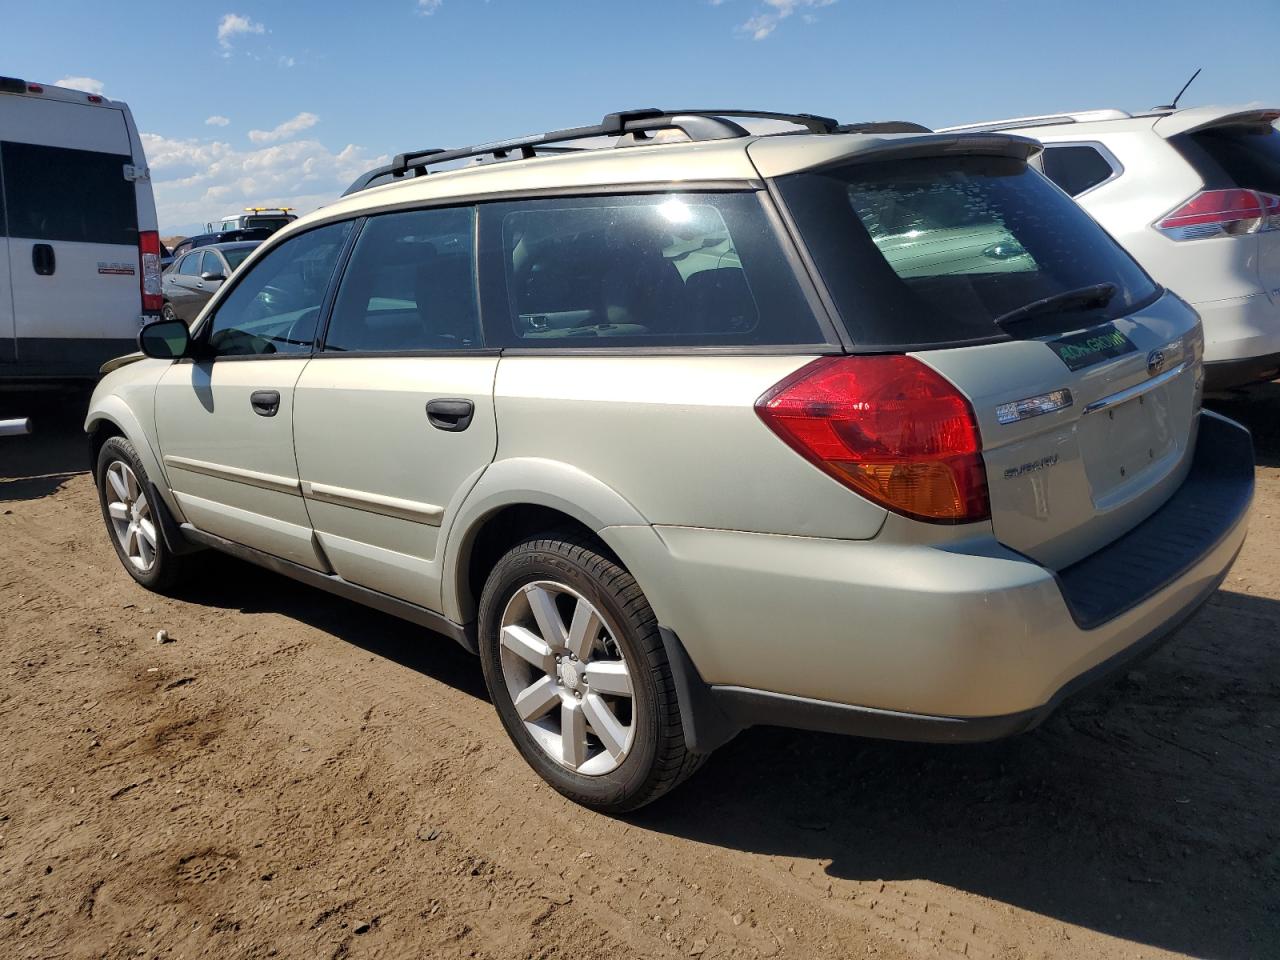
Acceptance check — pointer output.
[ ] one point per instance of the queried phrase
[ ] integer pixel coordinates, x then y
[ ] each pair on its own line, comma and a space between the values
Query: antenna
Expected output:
1174, 105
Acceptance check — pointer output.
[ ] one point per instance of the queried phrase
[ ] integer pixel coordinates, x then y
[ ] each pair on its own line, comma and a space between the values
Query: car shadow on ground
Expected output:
223, 581
37, 465
1143, 810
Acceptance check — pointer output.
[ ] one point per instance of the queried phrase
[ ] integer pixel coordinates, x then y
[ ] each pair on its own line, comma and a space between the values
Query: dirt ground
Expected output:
296, 776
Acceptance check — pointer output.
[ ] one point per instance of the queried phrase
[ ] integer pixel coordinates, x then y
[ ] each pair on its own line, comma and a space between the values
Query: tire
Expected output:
655, 758
167, 312
145, 556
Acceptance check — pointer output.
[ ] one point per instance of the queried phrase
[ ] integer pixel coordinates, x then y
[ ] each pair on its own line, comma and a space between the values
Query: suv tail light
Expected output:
149, 252
1222, 213
888, 427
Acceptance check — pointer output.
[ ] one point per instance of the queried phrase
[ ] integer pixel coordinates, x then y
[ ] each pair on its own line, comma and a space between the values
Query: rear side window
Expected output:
658, 270
1241, 156
274, 308
1076, 168
409, 285
190, 265
78, 196
930, 251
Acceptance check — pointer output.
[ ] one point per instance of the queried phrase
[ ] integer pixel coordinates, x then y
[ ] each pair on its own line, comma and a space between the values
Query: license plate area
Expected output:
1126, 447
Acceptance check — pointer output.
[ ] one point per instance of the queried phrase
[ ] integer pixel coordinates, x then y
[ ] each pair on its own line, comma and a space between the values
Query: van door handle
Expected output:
265, 403
450, 415
43, 262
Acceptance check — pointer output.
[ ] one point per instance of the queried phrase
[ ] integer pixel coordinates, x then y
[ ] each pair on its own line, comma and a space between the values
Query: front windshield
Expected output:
927, 251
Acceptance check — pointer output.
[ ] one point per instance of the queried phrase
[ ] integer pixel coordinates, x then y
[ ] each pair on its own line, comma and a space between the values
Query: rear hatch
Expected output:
1084, 376
1237, 151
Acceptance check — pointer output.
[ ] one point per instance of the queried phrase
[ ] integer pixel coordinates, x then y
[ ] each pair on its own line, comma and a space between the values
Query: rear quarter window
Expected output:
1076, 168
930, 251
55, 193
663, 270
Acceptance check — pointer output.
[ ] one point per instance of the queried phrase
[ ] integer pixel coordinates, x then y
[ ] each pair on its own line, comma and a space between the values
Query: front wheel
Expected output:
125, 497
575, 666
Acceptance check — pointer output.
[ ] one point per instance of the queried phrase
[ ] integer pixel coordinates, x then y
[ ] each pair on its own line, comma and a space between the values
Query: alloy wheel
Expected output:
567, 677
130, 514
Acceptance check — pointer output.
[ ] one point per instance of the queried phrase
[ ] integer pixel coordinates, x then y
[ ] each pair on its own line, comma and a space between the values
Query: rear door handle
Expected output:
450, 415
265, 403
43, 262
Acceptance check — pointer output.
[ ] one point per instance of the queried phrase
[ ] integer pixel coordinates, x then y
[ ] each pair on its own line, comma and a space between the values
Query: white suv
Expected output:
874, 432
1194, 195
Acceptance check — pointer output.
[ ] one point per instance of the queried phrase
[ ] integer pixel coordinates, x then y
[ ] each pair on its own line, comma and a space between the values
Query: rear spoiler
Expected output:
776, 156
1202, 118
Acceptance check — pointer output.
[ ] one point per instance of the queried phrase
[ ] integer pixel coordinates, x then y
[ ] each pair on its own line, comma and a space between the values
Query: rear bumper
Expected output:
952, 643
1242, 336
1228, 374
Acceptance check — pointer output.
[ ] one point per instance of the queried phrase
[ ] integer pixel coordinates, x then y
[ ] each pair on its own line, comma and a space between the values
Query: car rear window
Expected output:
660, 270
930, 251
1236, 156
55, 193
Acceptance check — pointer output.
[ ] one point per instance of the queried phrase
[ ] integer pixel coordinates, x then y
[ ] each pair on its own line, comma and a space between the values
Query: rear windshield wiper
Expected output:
1082, 298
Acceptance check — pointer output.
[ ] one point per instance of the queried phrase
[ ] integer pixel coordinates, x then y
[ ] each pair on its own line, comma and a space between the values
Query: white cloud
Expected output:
761, 24
217, 120
233, 25
196, 181
302, 121
427, 7
287, 62
87, 84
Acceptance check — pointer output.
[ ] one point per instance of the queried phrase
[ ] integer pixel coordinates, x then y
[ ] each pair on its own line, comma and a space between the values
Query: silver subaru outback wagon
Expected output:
858, 428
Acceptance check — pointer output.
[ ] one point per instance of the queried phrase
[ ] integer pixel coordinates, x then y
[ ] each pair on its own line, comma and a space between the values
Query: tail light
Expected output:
1222, 213
888, 427
149, 251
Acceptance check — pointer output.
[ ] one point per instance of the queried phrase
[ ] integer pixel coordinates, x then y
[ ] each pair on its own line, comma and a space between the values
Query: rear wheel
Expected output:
576, 669
167, 312
125, 497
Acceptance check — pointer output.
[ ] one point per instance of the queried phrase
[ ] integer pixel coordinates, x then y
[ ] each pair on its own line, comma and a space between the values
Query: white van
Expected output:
79, 247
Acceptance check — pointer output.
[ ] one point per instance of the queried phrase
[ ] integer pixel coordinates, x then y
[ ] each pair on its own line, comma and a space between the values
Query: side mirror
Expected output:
211, 277
165, 339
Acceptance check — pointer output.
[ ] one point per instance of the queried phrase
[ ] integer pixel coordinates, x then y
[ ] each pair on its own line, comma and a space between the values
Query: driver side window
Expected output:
274, 309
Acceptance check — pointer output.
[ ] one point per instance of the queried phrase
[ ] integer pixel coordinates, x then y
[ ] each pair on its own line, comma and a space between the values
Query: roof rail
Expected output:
1043, 120
697, 124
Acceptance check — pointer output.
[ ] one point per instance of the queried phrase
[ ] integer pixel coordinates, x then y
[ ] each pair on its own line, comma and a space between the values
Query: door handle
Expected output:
450, 415
43, 262
265, 403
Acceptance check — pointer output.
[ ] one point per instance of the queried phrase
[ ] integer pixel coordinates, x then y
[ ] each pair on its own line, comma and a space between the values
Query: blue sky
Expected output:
313, 93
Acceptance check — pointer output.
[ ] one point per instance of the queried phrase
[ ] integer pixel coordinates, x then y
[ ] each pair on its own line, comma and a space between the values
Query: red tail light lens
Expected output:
1222, 213
890, 428
149, 254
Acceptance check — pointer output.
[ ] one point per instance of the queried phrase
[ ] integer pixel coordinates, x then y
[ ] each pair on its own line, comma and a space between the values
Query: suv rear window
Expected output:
71, 195
930, 251
1238, 156
640, 271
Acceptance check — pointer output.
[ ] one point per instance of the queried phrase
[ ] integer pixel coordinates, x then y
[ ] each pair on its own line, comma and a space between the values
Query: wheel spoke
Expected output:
543, 605
583, 630
118, 511
148, 531
146, 552
605, 725
132, 482
529, 647
537, 699
117, 483
573, 735
609, 677
131, 540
